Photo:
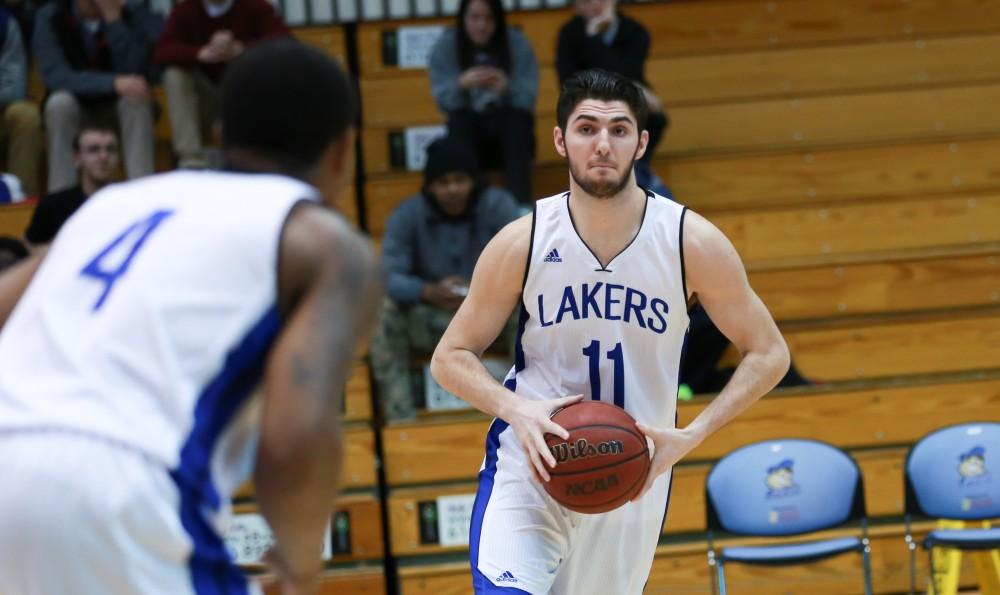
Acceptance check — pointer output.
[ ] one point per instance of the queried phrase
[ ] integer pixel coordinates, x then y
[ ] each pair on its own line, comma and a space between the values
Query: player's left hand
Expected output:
670, 445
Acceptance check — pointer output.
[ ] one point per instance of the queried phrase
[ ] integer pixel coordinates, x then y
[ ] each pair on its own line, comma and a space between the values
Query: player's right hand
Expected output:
291, 582
531, 421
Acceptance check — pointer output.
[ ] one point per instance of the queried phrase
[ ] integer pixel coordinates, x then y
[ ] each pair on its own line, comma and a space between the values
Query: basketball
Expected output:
604, 462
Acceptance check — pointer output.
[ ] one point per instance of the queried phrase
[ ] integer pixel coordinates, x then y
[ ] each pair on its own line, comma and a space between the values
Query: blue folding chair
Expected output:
782, 488
947, 477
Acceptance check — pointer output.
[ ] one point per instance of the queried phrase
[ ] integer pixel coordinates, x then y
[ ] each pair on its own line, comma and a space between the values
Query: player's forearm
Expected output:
462, 373
754, 377
295, 485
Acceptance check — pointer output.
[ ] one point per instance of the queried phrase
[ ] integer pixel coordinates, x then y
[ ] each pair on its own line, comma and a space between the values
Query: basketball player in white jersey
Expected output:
128, 368
602, 276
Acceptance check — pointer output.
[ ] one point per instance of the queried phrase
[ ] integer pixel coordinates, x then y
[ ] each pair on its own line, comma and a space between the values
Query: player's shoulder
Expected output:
516, 234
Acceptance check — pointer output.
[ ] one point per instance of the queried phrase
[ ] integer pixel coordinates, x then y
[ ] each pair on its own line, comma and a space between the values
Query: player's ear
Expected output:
560, 141
335, 168
643, 144
341, 154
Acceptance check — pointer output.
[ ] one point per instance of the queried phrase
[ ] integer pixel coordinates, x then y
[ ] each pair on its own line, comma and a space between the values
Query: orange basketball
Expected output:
604, 462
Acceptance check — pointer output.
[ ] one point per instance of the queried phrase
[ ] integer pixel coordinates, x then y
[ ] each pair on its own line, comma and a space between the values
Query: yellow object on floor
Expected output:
947, 568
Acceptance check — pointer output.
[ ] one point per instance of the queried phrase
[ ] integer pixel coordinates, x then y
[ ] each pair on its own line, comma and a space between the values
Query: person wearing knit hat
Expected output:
431, 243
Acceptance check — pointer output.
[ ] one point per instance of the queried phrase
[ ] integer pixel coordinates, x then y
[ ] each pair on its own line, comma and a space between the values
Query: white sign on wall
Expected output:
417, 138
454, 519
249, 537
414, 45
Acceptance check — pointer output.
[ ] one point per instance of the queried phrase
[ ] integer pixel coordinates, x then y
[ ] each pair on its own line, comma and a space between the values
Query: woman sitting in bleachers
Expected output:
484, 78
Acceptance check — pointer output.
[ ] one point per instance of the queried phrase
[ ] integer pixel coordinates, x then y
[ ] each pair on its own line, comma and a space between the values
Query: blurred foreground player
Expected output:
128, 367
601, 276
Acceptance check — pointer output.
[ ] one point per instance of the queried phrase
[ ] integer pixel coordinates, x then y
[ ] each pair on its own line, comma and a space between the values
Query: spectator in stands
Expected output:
601, 37
431, 244
95, 58
12, 250
95, 154
20, 127
484, 78
201, 37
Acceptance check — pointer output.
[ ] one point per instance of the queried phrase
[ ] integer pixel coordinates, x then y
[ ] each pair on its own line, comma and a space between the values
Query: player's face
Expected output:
452, 192
98, 156
479, 22
601, 143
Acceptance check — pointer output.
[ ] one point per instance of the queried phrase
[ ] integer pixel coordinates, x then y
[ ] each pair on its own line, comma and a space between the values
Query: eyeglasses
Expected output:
96, 149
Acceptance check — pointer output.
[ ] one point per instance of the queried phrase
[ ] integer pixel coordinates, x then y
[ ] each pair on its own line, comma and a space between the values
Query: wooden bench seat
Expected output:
897, 282
686, 28
683, 568
850, 415
14, 218
774, 125
356, 528
775, 235
882, 469
775, 180
786, 236
738, 77
365, 579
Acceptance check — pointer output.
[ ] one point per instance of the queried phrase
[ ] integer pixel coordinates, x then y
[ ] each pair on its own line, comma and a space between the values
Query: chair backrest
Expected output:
954, 473
783, 487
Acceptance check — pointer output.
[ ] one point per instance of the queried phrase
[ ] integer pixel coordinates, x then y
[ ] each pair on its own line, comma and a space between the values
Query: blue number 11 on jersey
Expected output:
593, 353
120, 253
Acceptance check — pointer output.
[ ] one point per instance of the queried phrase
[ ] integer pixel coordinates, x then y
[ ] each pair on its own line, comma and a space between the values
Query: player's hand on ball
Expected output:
670, 445
531, 420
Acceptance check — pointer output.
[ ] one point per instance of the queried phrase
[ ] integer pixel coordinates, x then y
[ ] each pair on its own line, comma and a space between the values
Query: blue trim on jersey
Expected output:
212, 570
480, 583
519, 362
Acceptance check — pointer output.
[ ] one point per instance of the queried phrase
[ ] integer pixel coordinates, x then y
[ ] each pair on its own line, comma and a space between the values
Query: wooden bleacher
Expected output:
14, 218
802, 178
893, 281
360, 580
849, 414
875, 420
683, 568
784, 124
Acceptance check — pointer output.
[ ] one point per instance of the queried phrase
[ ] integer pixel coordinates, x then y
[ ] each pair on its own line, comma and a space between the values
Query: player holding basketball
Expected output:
602, 275
128, 411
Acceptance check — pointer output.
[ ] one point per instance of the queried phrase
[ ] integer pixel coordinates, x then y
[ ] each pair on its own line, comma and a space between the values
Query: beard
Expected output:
604, 188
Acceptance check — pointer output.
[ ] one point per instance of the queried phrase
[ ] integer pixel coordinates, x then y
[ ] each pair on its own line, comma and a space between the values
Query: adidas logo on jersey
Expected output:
506, 577
553, 256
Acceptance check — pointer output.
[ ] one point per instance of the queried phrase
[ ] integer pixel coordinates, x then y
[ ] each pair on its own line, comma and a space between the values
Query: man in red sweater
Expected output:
201, 37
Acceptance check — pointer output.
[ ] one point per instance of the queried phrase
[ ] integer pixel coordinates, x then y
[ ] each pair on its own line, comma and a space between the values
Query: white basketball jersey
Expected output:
150, 319
614, 333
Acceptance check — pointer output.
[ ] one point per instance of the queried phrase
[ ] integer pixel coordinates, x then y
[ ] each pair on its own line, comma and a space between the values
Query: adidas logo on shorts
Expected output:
553, 256
506, 577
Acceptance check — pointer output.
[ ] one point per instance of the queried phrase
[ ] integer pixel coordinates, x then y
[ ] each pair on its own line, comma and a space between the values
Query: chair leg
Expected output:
931, 574
913, 564
867, 566
721, 573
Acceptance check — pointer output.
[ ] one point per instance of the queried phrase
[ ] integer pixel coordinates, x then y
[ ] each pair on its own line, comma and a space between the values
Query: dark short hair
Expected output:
94, 126
604, 86
287, 102
498, 45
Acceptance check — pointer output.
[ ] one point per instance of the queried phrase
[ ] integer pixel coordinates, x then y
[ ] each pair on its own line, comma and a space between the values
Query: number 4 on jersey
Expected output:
120, 253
